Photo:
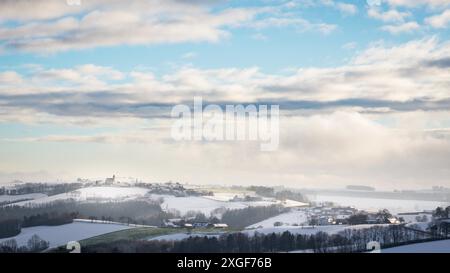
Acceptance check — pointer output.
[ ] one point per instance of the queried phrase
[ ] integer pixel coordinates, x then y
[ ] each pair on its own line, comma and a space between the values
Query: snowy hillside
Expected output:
375, 204
429, 247
15, 198
60, 235
112, 193
91, 193
288, 218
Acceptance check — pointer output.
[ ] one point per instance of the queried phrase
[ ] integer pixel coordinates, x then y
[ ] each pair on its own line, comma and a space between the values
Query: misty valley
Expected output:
114, 215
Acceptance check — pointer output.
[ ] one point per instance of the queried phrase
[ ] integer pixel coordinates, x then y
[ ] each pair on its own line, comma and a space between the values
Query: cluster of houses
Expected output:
169, 188
109, 181
334, 215
329, 215
176, 189
337, 215
183, 223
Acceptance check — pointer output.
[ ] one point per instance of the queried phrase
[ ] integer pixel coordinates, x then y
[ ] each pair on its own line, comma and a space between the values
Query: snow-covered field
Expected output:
14, 198
429, 247
93, 193
375, 204
111, 222
412, 217
225, 196
288, 218
411, 221
292, 204
61, 235
419, 225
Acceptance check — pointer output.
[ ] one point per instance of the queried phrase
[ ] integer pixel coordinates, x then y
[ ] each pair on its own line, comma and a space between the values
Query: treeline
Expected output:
34, 244
241, 218
9, 228
12, 227
442, 213
279, 195
133, 209
346, 242
229, 243
14, 201
48, 219
391, 235
381, 217
441, 223
46, 188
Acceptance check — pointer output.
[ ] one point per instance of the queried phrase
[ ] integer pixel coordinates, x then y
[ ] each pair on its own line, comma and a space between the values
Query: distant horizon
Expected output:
274, 185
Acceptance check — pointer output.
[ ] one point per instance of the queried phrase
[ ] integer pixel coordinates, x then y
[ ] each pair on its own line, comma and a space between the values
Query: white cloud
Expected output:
24, 10
189, 55
439, 21
350, 45
407, 27
385, 132
417, 3
110, 23
320, 150
10, 77
344, 8
104, 23
391, 15
413, 71
347, 8
259, 37
300, 24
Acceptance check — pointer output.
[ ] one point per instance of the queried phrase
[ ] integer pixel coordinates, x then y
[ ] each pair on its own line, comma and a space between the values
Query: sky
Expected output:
87, 88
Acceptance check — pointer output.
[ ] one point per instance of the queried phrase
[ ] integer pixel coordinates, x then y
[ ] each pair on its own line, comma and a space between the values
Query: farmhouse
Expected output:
220, 226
